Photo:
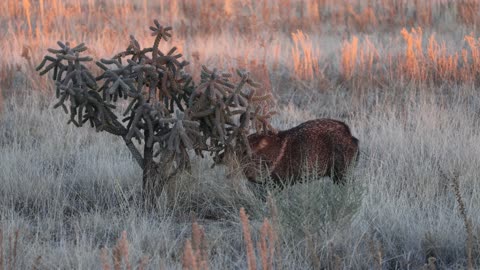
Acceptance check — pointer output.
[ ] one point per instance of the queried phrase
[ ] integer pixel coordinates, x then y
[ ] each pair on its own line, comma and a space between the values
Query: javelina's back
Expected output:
323, 146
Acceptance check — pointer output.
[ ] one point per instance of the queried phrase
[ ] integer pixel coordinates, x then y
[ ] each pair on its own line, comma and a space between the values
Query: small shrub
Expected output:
317, 205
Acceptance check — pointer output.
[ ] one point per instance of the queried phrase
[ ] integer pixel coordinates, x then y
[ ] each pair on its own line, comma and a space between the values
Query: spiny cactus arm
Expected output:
159, 32
180, 83
184, 134
187, 142
203, 113
73, 59
119, 88
222, 90
256, 119
117, 82
145, 73
236, 98
152, 117
214, 84
218, 125
177, 100
159, 112
245, 75
170, 82
134, 124
101, 115
219, 86
88, 79
164, 89
62, 95
77, 76
232, 113
134, 45
262, 121
103, 62
173, 143
245, 143
134, 50
245, 118
115, 129
81, 98
170, 60
94, 112
149, 127
257, 99
56, 63
65, 48
199, 91
76, 111
217, 117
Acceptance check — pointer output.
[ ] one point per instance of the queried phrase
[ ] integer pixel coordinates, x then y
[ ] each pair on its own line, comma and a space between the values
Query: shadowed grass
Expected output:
68, 204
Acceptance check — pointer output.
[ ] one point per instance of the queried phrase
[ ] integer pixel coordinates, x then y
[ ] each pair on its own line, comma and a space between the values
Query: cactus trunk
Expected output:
152, 182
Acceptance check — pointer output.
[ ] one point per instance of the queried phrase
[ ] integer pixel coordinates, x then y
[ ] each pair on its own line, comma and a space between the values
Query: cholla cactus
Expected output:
167, 113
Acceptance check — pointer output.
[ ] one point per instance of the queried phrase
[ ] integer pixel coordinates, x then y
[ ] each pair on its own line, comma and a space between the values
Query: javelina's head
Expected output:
264, 147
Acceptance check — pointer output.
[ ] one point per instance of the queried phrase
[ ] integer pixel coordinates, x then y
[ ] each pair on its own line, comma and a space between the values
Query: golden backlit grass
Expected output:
424, 42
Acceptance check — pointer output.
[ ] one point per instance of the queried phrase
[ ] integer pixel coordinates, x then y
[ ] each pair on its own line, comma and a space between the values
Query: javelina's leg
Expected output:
339, 165
338, 177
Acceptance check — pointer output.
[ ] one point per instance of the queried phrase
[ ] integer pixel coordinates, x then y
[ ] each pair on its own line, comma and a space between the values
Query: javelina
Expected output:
323, 146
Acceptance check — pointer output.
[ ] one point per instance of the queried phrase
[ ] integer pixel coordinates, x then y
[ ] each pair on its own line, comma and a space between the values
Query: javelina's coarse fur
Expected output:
323, 146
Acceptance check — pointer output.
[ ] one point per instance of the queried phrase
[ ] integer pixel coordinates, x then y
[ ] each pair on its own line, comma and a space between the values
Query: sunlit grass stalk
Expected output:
466, 221
247, 238
26, 8
195, 251
1, 251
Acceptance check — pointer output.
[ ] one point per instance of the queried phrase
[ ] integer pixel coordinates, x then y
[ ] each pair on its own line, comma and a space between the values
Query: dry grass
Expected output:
403, 74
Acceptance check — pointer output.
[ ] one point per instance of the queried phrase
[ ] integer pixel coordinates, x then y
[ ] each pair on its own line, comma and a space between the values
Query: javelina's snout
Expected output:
324, 146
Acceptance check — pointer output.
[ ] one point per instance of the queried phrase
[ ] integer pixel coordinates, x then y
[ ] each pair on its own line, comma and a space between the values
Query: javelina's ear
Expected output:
261, 144
271, 132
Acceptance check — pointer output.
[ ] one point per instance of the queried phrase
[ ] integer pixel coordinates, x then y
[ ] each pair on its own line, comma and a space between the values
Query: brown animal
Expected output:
323, 146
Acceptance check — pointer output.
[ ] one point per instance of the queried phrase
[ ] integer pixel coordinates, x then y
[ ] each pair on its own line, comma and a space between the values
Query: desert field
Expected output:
404, 75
